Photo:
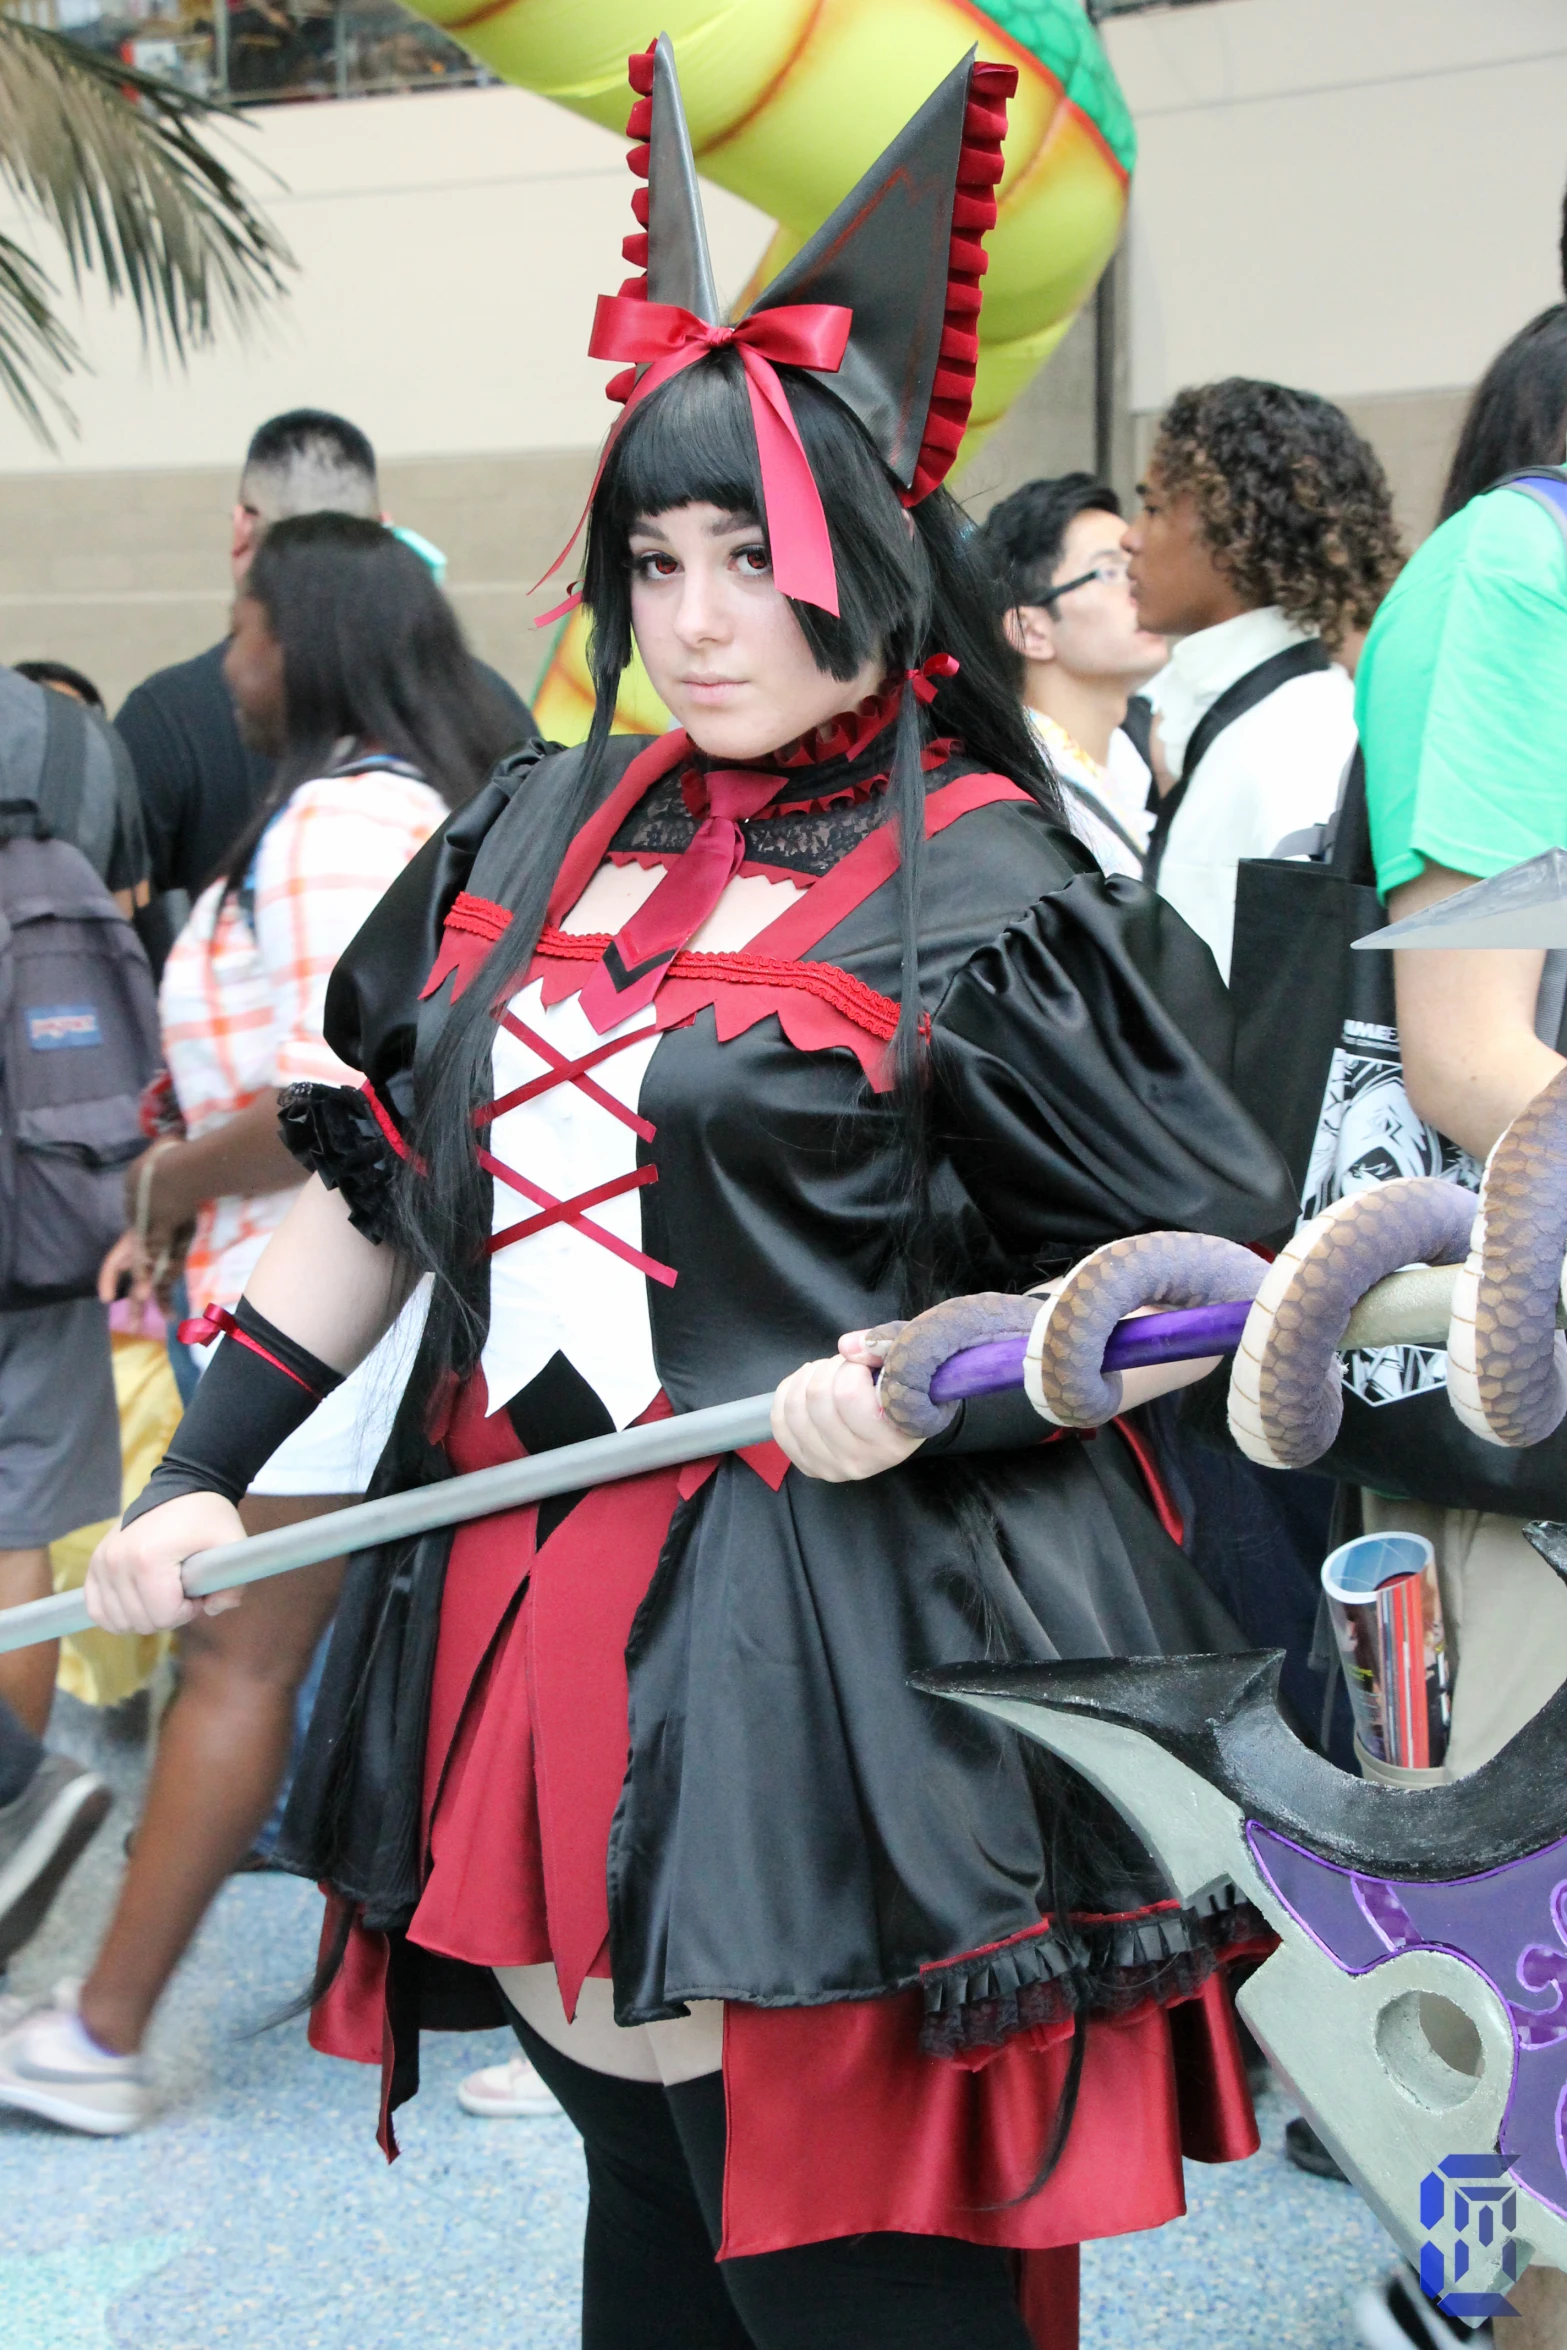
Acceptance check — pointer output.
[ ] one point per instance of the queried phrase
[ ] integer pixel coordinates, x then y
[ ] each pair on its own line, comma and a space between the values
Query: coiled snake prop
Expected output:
1507, 1361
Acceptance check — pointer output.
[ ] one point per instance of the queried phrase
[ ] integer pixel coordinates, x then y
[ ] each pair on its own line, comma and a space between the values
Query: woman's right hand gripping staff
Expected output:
316, 1304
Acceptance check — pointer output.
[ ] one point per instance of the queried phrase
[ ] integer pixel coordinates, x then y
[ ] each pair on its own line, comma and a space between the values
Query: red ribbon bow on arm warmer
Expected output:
662, 338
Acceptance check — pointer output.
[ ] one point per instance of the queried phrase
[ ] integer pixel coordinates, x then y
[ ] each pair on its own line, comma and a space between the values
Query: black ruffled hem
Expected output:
1106, 1966
332, 1131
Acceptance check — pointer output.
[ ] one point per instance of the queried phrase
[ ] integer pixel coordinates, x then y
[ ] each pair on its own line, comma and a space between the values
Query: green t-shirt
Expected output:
1461, 697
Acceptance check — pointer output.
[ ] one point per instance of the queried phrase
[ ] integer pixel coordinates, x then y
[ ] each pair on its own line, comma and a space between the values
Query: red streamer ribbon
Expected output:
662, 338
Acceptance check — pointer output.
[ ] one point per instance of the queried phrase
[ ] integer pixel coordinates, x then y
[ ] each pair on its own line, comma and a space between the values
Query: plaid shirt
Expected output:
243, 1001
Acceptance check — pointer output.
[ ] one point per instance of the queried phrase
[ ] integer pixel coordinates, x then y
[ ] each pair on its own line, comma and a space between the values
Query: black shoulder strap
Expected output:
1100, 813
1300, 660
1350, 856
130, 831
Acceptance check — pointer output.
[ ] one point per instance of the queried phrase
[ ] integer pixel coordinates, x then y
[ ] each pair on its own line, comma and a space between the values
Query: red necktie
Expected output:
640, 953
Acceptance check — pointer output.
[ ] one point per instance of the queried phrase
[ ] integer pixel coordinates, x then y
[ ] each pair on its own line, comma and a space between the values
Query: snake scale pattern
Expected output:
1507, 1362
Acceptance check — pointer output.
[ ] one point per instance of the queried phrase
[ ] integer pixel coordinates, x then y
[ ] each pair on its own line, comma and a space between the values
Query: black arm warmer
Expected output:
239, 1414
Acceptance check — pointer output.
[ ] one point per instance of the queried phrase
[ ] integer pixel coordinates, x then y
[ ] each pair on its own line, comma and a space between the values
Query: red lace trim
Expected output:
973, 217
843, 736
876, 1015
467, 935
1047, 1925
694, 793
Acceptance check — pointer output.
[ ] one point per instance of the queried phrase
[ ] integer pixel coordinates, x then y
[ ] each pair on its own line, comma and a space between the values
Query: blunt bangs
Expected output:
693, 443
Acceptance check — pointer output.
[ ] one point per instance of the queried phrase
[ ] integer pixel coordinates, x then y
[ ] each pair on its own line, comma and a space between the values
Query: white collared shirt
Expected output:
1272, 772
1100, 803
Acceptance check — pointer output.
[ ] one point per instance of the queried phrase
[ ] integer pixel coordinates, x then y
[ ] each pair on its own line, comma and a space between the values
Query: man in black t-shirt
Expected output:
199, 783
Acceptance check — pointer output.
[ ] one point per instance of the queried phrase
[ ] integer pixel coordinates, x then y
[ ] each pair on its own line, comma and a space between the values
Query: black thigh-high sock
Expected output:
878, 2292
655, 2162
649, 2279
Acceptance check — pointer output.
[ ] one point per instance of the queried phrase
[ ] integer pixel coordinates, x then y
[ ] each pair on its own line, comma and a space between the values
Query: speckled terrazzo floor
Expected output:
258, 2212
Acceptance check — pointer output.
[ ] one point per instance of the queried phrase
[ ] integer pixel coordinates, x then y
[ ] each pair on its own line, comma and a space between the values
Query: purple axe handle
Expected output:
1180, 1337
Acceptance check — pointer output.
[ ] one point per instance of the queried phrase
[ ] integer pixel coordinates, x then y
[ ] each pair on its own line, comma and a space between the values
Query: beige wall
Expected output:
451, 246
1361, 197
124, 572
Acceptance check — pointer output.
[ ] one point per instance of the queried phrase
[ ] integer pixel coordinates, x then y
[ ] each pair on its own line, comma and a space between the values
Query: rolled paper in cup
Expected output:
1386, 1608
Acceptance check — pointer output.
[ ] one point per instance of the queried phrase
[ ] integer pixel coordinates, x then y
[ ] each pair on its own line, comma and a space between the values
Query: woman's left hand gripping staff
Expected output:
828, 1420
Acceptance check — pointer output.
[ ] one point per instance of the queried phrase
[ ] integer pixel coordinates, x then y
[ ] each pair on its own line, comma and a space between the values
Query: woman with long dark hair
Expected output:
1517, 414
348, 667
682, 1059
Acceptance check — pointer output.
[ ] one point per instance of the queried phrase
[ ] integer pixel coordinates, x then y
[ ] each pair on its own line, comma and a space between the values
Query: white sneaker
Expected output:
49, 2066
506, 2092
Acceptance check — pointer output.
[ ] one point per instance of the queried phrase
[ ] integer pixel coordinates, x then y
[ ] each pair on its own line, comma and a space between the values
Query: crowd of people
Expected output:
1177, 691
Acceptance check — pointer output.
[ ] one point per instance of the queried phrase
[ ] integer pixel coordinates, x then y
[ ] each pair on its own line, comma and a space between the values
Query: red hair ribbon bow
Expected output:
663, 339
923, 679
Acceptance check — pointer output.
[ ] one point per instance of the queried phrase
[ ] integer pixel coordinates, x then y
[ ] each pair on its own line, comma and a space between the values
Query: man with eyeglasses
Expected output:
1065, 602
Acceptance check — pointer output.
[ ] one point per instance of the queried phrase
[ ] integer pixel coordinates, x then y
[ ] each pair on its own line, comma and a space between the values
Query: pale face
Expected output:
722, 647
1093, 630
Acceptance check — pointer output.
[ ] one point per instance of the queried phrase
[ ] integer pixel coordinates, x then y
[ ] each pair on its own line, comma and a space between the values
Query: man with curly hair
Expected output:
1265, 541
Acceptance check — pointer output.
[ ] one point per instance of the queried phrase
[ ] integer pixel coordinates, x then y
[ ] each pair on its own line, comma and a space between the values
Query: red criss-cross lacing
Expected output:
561, 1071
564, 1072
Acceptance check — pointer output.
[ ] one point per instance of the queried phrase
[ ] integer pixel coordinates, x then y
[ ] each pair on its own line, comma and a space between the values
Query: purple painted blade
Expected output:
1143, 1339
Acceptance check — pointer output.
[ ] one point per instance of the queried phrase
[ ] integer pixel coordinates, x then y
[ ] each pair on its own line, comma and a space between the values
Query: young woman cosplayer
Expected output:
682, 1058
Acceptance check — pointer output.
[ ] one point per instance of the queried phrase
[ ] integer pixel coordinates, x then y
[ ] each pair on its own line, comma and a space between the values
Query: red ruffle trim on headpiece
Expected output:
980, 167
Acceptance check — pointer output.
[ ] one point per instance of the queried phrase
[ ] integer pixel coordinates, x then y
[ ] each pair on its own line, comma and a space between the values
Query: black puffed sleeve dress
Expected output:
665, 1732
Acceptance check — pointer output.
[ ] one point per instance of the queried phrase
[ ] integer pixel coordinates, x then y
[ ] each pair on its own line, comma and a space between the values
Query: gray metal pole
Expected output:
1408, 1308
661, 1444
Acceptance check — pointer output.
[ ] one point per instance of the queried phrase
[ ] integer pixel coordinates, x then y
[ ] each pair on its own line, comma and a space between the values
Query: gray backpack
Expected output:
78, 1014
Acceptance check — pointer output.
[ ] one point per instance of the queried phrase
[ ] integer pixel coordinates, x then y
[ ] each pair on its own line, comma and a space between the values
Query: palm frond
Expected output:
113, 161
35, 349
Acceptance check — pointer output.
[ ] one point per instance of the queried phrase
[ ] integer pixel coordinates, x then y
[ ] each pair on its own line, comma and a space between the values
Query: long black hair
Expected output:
910, 583
372, 652
1518, 415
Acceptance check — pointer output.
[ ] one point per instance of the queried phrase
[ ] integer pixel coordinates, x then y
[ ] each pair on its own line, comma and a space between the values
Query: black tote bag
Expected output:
1294, 981
1317, 1063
